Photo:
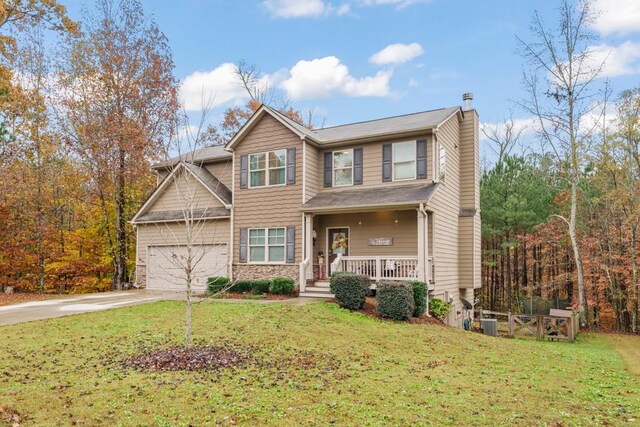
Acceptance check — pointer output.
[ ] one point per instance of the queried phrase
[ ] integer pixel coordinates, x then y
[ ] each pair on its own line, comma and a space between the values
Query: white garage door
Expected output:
166, 266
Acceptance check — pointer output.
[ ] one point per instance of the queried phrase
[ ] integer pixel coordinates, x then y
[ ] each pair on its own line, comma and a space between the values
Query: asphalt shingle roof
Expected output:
198, 214
409, 194
212, 183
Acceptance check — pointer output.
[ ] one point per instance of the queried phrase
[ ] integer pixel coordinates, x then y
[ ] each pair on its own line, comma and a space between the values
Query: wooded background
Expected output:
86, 107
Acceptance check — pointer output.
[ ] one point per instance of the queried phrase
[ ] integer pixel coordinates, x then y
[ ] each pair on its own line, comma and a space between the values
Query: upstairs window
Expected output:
442, 163
404, 160
343, 167
266, 169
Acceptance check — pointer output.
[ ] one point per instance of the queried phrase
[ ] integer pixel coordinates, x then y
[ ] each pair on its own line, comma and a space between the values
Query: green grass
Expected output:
319, 365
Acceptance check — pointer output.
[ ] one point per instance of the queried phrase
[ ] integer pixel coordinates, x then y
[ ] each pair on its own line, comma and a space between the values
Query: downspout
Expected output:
232, 215
426, 257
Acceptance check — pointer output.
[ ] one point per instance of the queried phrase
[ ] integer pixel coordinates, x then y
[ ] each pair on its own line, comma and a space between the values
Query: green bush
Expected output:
419, 297
438, 308
260, 286
282, 286
350, 289
395, 300
242, 286
216, 284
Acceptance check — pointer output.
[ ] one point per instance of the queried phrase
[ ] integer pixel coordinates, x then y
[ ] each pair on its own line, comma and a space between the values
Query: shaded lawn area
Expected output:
318, 364
629, 348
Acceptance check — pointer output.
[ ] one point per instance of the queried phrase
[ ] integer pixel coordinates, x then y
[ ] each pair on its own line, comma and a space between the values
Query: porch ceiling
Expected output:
389, 196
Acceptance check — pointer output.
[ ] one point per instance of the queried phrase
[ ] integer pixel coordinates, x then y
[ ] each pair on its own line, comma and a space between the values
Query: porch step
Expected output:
317, 294
321, 284
316, 288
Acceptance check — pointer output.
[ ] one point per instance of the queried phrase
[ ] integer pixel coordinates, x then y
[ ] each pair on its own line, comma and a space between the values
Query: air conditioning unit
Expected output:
489, 327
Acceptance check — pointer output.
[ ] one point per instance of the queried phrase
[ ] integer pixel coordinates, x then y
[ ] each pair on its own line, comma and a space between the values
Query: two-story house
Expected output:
394, 198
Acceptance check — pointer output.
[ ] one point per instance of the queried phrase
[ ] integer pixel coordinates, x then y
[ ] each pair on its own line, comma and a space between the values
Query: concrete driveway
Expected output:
77, 304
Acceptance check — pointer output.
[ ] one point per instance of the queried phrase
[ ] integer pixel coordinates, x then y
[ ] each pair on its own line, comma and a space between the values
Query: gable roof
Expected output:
203, 155
202, 175
406, 123
392, 195
173, 216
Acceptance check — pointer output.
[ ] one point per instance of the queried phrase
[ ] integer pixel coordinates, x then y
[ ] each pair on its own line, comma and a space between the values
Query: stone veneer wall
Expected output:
265, 271
141, 276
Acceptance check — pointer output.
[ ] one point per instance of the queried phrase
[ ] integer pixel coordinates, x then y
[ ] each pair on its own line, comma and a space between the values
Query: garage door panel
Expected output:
165, 269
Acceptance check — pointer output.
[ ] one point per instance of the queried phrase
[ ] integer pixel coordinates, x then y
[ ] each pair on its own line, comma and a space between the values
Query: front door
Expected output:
337, 243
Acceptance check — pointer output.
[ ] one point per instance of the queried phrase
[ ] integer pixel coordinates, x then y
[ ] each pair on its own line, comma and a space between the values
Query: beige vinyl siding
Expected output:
313, 167
468, 161
446, 207
372, 164
466, 247
277, 206
477, 252
221, 170
374, 224
173, 234
178, 193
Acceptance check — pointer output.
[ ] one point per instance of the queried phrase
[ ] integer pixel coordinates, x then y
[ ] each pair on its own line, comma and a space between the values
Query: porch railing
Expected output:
382, 267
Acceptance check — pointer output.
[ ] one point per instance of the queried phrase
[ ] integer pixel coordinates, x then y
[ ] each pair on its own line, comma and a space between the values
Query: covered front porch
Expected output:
384, 244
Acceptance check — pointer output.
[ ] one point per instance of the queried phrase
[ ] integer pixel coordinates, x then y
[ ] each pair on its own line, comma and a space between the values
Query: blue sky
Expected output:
322, 53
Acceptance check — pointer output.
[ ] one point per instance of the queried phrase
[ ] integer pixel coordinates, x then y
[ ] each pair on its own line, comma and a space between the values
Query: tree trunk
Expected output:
121, 237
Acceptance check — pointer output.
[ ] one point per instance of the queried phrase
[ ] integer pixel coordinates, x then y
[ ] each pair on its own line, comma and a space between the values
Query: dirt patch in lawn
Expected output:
9, 416
17, 298
206, 358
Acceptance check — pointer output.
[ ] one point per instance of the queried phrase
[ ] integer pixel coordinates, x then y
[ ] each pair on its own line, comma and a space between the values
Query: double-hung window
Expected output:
267, 245
404, 160
267, 168
442, 163
343, 167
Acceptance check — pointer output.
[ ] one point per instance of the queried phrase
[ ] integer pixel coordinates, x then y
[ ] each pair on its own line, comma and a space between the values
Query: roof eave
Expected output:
376, 137
159, 221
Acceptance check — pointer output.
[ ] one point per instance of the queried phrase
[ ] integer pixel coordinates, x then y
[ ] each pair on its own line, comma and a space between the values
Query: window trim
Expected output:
393, 162
266, 169
266, 246
334, 169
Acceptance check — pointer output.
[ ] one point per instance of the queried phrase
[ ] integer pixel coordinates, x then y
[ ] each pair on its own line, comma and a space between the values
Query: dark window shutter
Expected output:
244, 171
291, 244
243, 245
386, 163
291, 166
421, 159
328, 169
357, 166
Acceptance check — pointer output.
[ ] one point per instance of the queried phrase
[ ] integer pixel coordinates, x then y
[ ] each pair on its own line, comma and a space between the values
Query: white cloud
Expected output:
618, 60
322, 77
343, 9
617, 16
397, 54
295, 8
216, 87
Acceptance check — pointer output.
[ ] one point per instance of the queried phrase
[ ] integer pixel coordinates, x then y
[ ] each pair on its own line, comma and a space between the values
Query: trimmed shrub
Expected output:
350, 289
419, 297
395, 300
241, 286
438, 308
217, 283
260, 286
282, 285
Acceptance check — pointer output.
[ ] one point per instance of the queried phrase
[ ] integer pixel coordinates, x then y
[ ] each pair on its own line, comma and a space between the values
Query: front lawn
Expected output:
314, 365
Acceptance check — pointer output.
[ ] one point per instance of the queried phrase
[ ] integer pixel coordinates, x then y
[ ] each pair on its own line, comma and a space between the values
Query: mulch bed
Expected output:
249, 296
17, 297
371, 309
188, 359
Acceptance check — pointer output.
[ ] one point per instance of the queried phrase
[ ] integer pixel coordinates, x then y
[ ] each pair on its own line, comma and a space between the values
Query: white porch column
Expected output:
308, 250
422, 247
427, 265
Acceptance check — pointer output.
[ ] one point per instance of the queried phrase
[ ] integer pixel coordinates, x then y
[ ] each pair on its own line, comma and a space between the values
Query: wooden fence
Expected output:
557, 325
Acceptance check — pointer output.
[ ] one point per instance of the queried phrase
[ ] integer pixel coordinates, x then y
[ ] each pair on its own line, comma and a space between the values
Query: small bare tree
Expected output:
189, 234
562, 96
503, 136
